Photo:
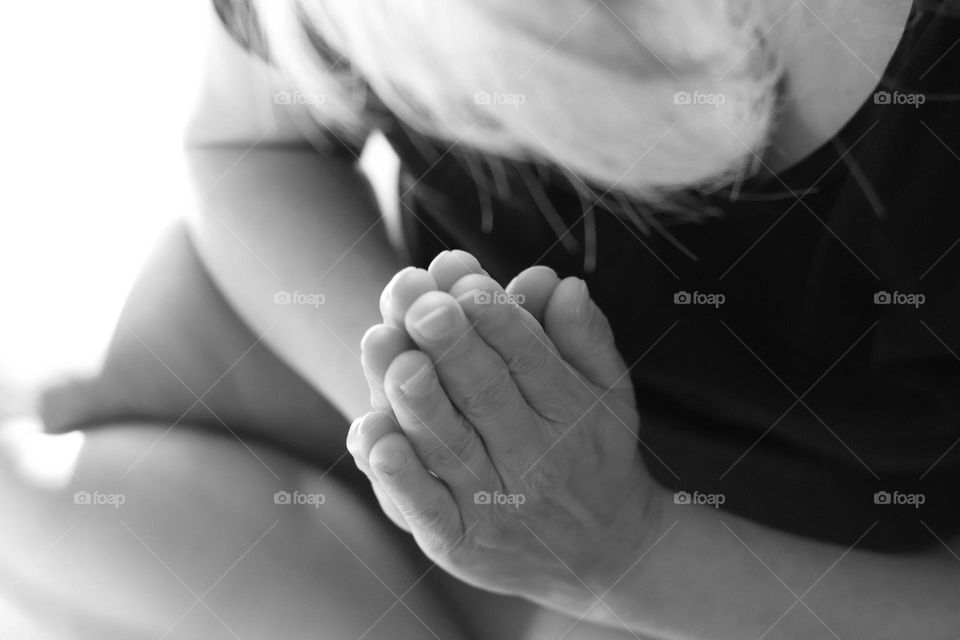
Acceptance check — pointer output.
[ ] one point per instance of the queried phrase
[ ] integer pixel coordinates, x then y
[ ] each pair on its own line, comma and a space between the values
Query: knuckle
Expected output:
530, 355
549, 476
461, 441
450, 453
430, 515
489, 394
570, 400
437, 456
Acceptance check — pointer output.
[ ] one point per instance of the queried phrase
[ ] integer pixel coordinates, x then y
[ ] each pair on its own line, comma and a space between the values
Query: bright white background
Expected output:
94, 96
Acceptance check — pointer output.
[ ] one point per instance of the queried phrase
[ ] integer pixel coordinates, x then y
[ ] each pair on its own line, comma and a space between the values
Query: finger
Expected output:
583, 335
474, 376
423, 501
405, 287
532, 289
387, 505
548, 384
445, 442
450, 266
378, 348
363, 433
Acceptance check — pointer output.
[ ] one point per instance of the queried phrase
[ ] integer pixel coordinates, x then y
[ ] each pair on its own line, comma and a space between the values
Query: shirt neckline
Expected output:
824, 165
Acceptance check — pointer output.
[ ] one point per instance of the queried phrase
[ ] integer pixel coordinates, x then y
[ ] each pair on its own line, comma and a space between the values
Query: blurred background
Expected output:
95, 98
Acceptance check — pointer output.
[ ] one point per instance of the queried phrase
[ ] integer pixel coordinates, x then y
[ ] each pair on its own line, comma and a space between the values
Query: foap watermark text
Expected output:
299, 298
714, 500
715, 300
297, 498
97, 498
510, 499
915, 300
896, 498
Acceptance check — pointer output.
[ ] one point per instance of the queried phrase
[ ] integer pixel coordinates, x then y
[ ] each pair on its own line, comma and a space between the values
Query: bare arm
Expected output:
272, 215
714, 575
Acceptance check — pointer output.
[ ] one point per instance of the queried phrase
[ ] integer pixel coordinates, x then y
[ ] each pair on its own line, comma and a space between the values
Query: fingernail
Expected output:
467, 259
387, 290
352, 432
364, 423
367, 336
583, 303
436, 324
400, 273
552, 271
394, 464
437, 258
420, 383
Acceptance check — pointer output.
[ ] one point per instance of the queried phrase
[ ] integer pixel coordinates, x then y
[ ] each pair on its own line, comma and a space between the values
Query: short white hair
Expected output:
643, 97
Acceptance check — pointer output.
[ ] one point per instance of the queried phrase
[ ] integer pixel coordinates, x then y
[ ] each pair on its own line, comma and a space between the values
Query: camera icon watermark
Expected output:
715, 300
297, 498
895, 498
299, 298
915, 300
496, 498
97, 498
714, 500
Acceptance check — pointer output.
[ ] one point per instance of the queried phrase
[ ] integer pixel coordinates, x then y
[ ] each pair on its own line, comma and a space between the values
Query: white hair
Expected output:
643, 97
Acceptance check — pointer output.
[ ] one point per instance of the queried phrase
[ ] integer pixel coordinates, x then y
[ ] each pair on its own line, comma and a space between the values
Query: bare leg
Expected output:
199, 548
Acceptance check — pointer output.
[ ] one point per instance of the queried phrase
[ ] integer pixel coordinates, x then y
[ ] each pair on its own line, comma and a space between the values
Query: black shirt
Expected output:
788, 386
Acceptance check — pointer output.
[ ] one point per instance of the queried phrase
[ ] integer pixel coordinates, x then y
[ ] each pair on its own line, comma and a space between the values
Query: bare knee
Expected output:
184, 533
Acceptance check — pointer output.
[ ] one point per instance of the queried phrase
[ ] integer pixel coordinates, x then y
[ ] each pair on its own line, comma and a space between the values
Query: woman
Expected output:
757, 198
